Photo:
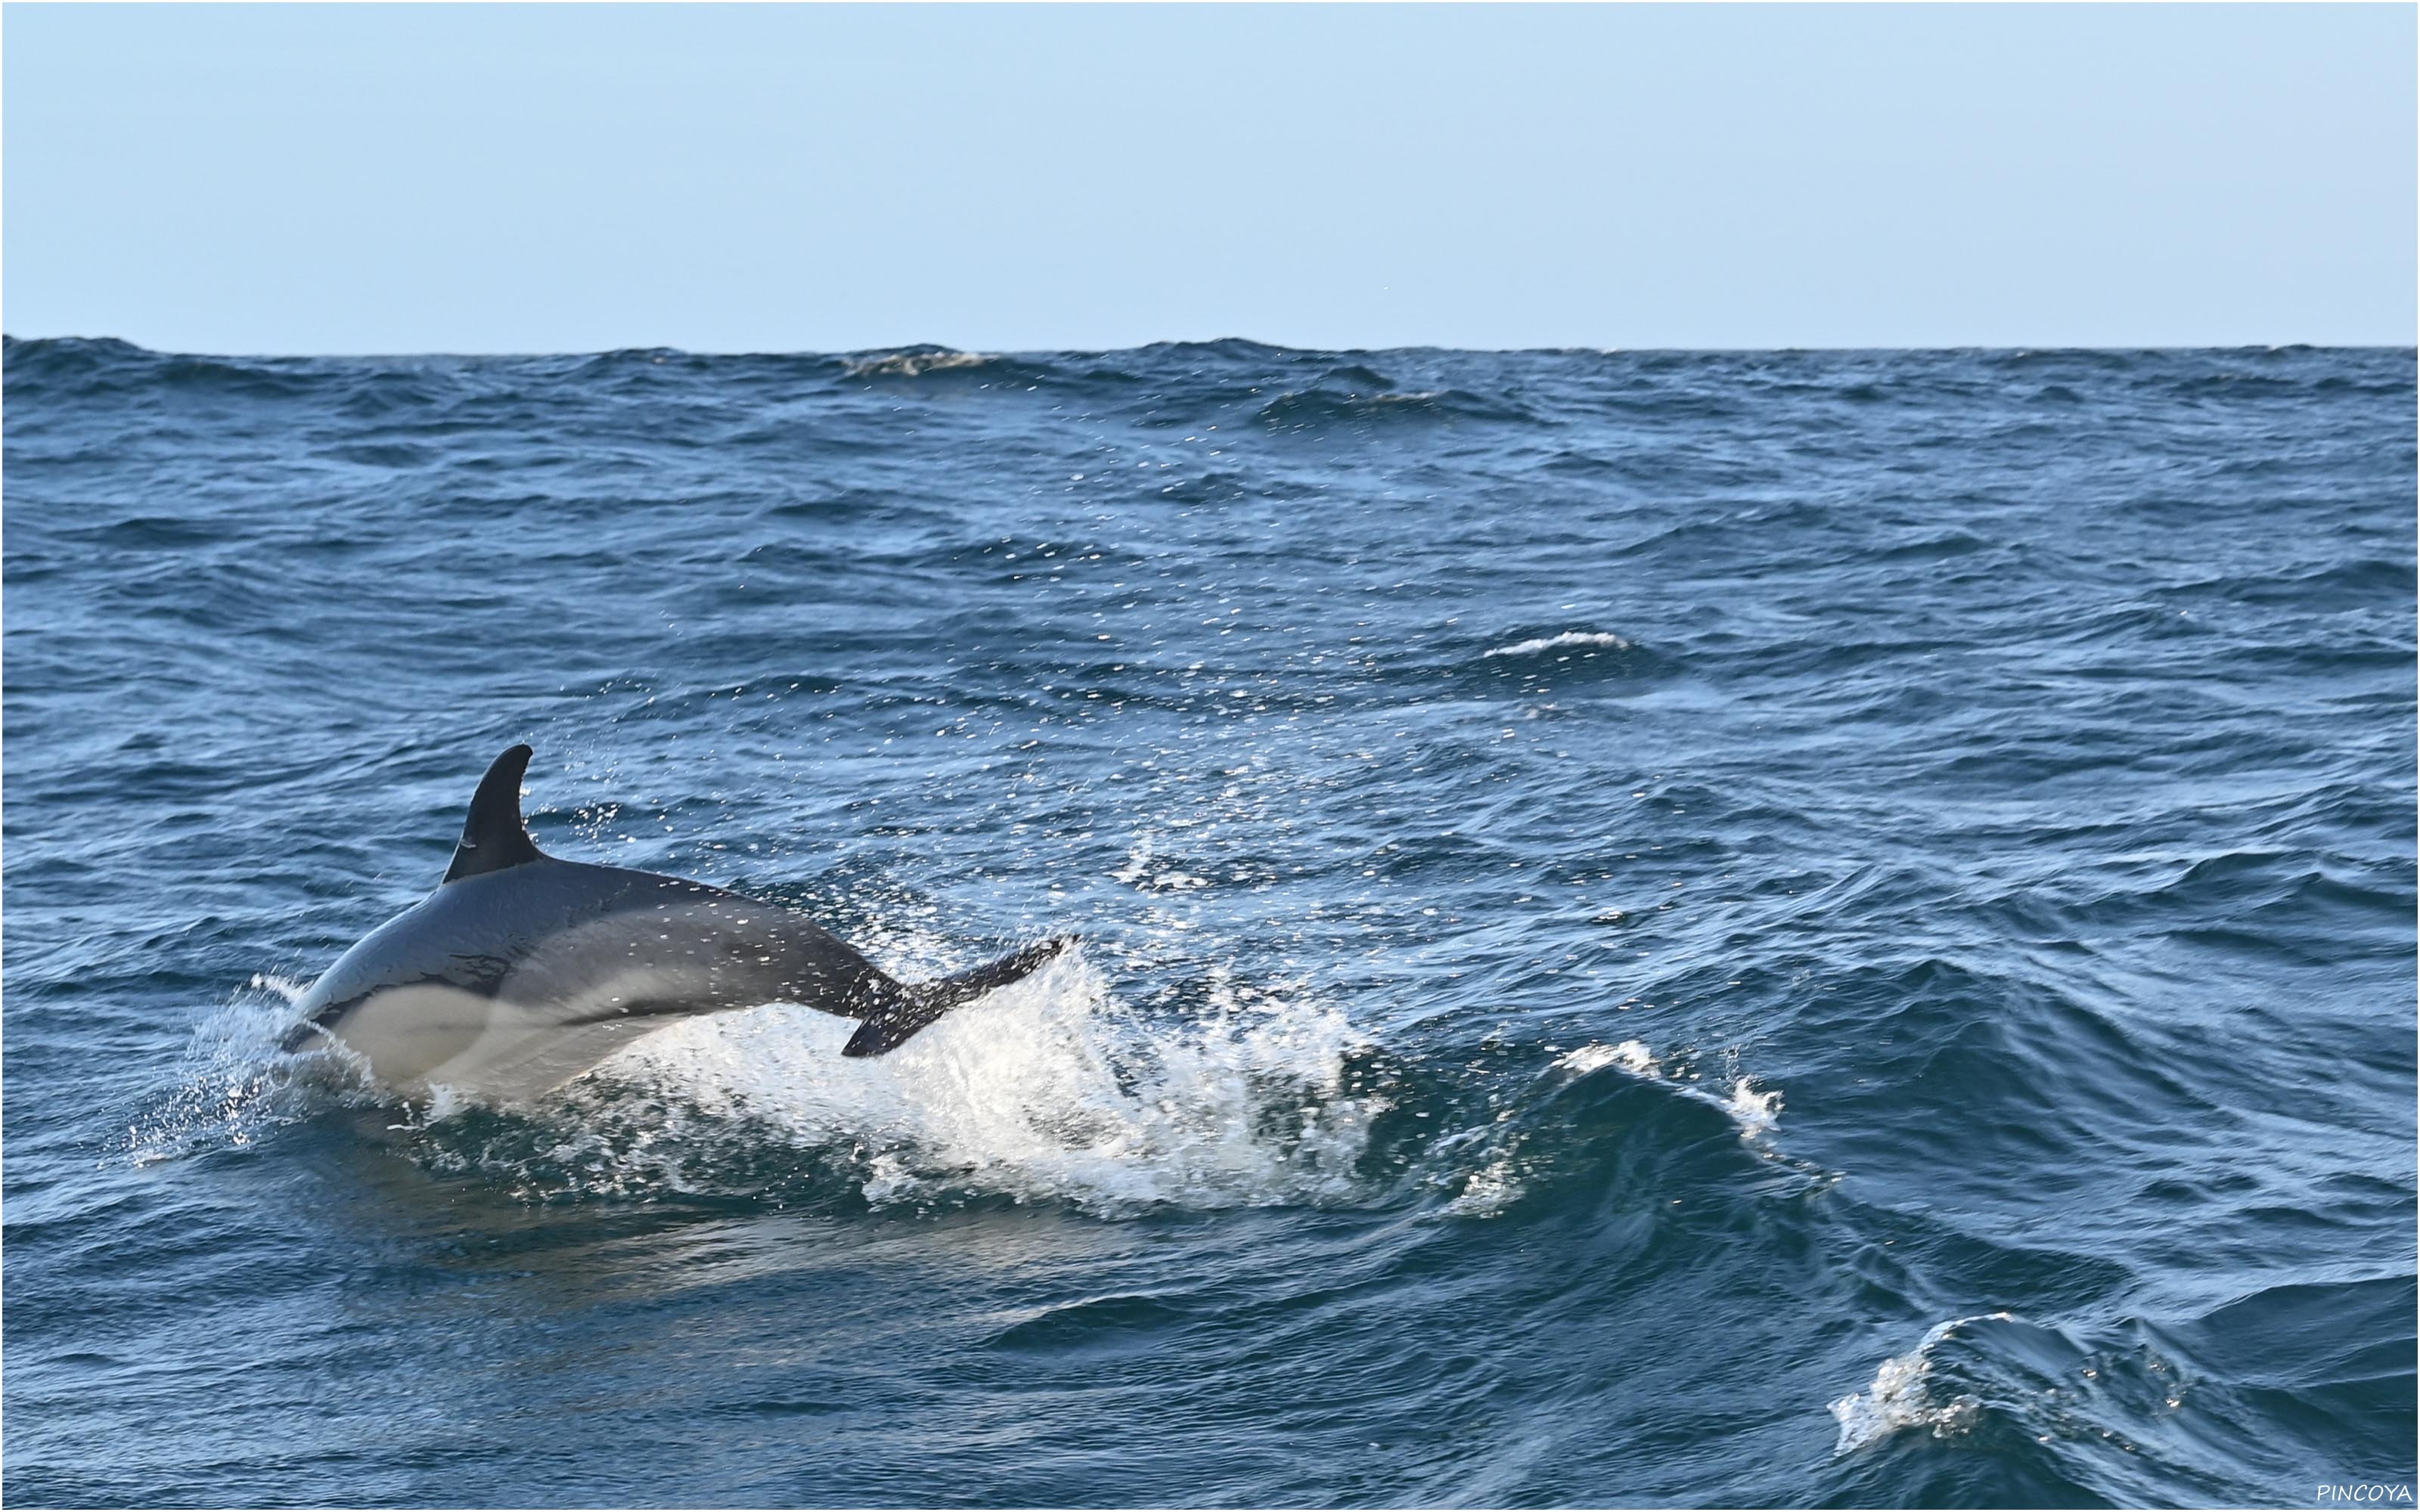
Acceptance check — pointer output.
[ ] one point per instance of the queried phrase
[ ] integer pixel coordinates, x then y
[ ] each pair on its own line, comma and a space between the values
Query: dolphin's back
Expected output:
559, 932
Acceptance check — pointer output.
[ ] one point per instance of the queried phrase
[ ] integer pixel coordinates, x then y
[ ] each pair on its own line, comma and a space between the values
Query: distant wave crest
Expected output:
915, 361
1593, 639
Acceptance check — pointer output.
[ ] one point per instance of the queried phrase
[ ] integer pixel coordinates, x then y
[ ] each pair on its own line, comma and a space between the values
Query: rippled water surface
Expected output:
1658, 928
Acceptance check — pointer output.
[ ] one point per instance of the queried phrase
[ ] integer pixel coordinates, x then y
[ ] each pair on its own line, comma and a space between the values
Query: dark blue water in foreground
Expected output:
1702, 929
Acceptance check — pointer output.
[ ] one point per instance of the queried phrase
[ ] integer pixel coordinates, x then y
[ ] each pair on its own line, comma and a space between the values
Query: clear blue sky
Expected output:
302, 178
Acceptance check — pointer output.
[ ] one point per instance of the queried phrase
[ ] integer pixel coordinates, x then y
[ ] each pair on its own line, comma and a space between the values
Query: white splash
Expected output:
1898, 1398
1605, 639
284, 987
1046, 1090
1049, 1091
235, 1086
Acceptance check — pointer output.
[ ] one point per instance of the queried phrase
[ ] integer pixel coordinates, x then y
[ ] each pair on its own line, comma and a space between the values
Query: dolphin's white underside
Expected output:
426, 1035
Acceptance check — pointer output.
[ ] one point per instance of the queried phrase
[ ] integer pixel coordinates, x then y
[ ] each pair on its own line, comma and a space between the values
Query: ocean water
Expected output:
1658, 928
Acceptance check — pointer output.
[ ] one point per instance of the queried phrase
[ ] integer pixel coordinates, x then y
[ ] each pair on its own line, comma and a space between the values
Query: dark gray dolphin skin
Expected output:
521, 971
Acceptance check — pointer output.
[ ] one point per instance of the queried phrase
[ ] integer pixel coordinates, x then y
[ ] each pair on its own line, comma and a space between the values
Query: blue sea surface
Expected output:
1825, 928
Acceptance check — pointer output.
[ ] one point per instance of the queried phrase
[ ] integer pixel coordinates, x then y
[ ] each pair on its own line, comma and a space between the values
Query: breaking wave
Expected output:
1756, 1110
1901, 1395
1541, 1140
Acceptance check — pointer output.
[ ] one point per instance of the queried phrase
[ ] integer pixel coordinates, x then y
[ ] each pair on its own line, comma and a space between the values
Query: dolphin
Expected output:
522, 971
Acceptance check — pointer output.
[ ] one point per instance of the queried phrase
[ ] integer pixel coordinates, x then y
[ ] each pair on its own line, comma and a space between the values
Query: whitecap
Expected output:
1602, 638
1756, 1110
1630, 1054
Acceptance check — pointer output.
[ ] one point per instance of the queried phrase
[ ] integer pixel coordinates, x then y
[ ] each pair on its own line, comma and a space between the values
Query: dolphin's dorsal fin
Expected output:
494, 838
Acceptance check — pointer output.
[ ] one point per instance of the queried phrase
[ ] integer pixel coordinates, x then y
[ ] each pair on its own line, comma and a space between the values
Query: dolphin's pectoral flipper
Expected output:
493, 836
888, 1028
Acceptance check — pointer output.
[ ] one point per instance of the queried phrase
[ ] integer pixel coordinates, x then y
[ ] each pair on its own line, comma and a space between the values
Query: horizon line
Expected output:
944, 348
